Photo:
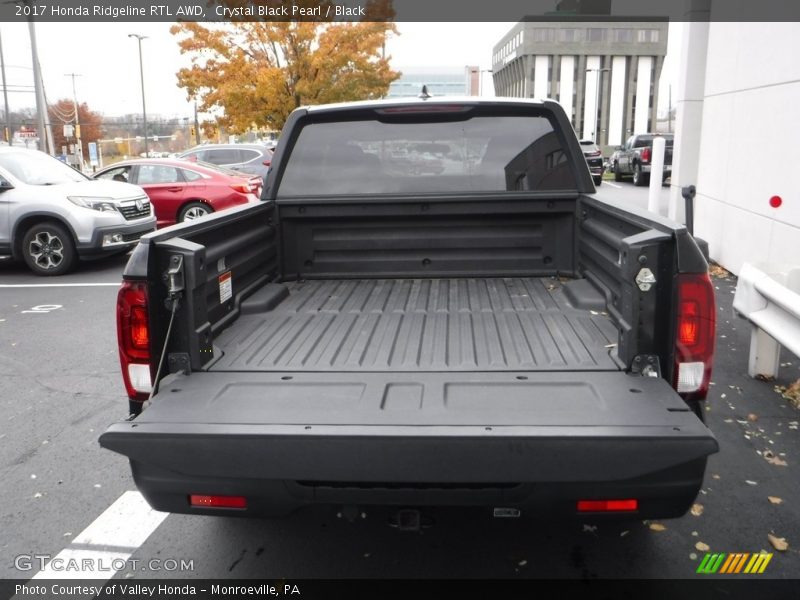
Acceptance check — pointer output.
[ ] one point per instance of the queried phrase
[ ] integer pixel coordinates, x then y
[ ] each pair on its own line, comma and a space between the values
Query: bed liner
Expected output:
457, 324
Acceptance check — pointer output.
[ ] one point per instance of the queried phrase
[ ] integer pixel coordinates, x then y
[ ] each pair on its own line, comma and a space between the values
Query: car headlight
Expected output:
93, 202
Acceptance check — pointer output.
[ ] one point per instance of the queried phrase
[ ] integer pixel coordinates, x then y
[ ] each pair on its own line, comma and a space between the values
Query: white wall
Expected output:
751, 123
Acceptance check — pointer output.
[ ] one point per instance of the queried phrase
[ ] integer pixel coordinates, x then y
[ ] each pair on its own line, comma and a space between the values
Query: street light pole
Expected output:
139, 38
598, 112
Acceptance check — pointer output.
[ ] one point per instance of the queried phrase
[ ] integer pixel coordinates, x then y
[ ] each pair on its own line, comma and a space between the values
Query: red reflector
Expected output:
218, 501
608, 505
267, 163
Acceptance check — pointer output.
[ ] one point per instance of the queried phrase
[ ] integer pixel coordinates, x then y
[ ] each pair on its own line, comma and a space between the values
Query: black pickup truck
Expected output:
634, 159
489, 335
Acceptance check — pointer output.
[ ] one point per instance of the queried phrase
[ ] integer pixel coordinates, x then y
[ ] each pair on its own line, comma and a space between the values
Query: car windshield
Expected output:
433, 153
38, 168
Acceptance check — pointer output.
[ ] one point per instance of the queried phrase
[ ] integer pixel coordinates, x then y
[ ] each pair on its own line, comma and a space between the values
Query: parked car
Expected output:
247, 158
634, 158
52, 215
182, 191
594, 158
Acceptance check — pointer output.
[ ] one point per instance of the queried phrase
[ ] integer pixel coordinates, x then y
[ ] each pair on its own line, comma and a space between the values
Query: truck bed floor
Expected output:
501, 324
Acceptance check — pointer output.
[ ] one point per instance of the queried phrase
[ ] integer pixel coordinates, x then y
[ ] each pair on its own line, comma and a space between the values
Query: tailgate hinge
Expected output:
646, 365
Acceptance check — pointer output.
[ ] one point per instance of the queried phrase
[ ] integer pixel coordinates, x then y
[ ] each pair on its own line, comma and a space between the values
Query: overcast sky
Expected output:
108, 60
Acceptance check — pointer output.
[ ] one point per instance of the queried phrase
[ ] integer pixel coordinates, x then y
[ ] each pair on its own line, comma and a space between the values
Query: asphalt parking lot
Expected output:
60, 387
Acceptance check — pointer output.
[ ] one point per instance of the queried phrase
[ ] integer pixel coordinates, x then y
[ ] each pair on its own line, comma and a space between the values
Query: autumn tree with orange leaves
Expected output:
63, 113
258, 72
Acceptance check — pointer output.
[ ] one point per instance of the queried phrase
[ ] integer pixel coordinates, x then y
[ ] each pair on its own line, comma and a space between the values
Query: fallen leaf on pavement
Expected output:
718, 272
780, 544
775, 500
748, 482
792, 393
715, 476
697, 509
752, 417
762, 377
657, 527
702, 547
777, 461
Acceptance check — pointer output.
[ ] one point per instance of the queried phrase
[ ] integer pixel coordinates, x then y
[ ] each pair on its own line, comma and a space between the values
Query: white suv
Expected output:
51, 215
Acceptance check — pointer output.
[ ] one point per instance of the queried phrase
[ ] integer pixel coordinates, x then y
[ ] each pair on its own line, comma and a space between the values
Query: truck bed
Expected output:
456, 324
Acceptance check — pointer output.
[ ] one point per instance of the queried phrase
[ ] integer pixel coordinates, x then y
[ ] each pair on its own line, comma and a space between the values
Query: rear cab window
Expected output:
449, 149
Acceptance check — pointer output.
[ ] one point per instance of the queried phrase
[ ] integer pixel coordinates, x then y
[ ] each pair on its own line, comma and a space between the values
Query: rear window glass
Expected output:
647, 140
396, 156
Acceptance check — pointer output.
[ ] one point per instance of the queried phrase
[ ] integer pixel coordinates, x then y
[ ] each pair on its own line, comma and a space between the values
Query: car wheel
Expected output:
194, 210
639, 178
617, 174
598, 180
48, 249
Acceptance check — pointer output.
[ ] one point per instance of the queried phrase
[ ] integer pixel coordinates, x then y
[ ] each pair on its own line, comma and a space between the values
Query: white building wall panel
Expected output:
642, 94
590, 102
540, 76
566, 84
616, 114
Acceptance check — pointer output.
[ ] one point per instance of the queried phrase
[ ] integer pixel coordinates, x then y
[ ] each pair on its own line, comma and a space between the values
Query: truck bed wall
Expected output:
491, 238
535, 236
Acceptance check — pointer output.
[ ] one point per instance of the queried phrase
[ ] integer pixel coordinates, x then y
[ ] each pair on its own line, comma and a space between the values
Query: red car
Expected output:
181, 191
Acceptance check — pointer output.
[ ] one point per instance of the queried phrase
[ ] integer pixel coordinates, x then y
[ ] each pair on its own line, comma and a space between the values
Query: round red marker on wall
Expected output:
775, 201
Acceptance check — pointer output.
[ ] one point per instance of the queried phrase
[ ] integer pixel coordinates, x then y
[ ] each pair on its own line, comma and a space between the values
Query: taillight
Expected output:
646, 154
694, 336
133, 339
266, 163
243, 188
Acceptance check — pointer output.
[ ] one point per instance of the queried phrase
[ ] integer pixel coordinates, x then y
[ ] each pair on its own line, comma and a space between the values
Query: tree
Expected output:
258, 72
63, 113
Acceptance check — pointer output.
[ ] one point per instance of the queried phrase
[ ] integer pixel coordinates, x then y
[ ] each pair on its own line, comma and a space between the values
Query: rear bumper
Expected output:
664, 494
282, 468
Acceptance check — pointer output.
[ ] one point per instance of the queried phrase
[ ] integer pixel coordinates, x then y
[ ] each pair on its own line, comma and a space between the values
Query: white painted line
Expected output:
56, 285
613, 184
103, 548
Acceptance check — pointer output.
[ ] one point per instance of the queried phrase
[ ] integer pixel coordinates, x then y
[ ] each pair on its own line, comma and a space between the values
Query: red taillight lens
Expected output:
627, 505
694, 337
133, 338
243, 188
646, 154
267, 163
201, 501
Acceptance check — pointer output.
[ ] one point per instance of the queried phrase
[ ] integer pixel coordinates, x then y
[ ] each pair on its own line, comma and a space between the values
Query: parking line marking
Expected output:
103, 548
51, 285
613, 184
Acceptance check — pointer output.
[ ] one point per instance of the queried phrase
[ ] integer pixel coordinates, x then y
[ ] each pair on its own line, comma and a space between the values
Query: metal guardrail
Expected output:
769, 297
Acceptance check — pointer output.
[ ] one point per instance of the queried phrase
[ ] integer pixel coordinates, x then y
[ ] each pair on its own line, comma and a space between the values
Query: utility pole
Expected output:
41, 104
7, 129
141, 75
79, 148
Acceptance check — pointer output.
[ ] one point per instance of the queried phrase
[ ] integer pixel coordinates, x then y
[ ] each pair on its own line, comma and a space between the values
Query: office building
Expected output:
604, 72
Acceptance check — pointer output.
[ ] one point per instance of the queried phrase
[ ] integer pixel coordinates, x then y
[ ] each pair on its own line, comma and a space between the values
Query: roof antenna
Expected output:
424, 93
